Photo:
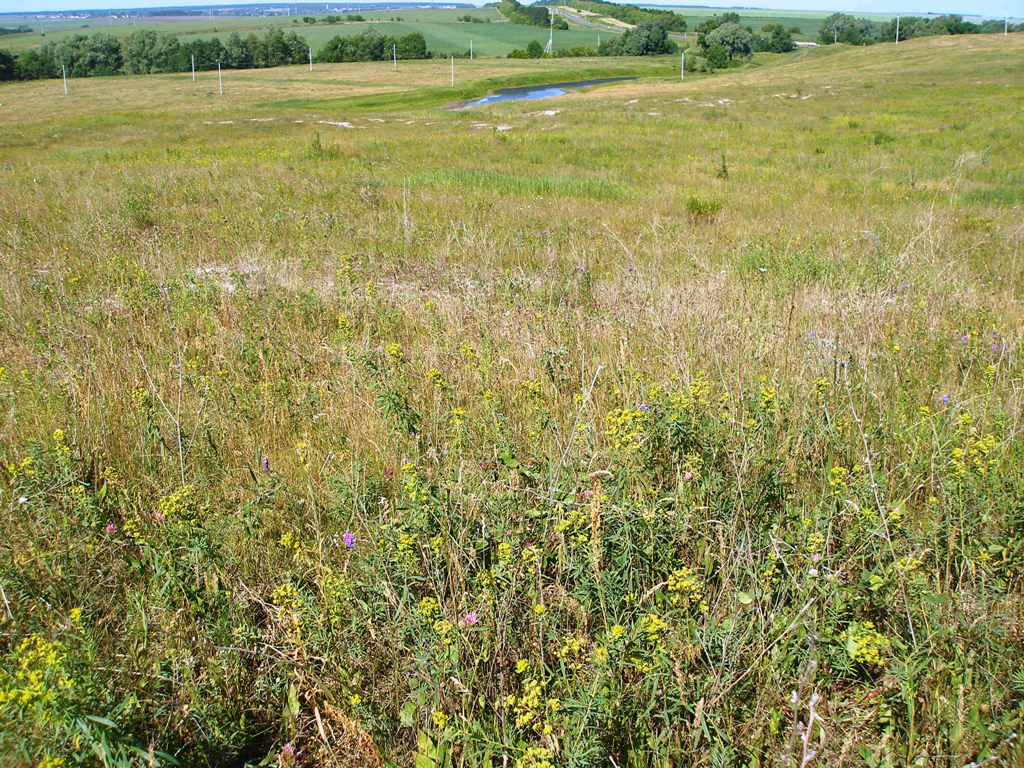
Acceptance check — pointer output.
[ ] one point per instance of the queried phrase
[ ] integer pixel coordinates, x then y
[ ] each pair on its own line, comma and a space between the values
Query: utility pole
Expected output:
470, 50
897, 29
193, 67
551, 34
220, 81
64, 73
453, 70
310, 59
682, 66
394, 54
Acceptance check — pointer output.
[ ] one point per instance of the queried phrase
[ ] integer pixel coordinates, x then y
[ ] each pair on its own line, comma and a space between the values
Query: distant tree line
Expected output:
474, 19
631, 14
530, 15
150, 52
18, 31
843, 28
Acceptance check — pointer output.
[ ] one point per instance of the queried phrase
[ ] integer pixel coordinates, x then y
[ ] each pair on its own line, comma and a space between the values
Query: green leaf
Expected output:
745, 598
936, 599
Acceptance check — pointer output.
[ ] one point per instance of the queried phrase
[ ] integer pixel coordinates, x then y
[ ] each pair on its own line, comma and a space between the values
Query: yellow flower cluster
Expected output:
535, 757
685, 588
865, 644
625, 428
653, 626
428, 608
572, 651
38, 678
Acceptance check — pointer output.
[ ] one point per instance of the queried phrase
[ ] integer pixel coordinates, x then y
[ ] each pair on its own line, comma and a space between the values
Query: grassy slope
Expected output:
159, 248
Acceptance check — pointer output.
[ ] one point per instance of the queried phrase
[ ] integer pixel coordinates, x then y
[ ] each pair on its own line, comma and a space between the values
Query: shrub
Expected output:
702, 208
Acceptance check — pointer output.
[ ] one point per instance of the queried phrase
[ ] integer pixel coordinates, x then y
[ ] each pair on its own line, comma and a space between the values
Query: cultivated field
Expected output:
671, 424
443, 33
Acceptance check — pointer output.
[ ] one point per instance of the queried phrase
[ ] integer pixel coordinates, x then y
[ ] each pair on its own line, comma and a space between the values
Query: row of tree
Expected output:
631, 14
530, 15
373, 46
16, 31
149, 52
843, 28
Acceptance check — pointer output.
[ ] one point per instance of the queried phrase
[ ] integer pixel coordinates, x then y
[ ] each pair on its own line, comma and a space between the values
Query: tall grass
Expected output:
417, 444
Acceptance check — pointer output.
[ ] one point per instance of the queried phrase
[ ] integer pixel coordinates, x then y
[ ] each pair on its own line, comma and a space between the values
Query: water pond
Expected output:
546, 91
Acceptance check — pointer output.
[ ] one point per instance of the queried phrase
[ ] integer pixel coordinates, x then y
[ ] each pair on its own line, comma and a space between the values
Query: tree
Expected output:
717, 55
6, 65
534, 50
777, 39
648, 38
735, 39
412, 46
843, 28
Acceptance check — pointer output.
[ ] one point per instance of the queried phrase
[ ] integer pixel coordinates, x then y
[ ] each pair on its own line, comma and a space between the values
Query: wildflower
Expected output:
265, 463
349, 539
355, 700
389, 473
469, 620
617, 632
945, 399
963, 339
440, 719
111, 528
540, 609
522, 666
687, 477
288, 752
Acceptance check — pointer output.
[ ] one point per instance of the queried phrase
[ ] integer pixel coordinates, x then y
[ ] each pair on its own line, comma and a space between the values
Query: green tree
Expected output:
735, 39
717, 56
534, 50
6, 65
777, 39
412, 46
648, 38
843, 28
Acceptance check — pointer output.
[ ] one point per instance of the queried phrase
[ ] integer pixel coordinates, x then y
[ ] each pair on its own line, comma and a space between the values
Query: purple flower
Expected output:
111, 528
265, 463
350, 539
288, 752
687, 477
963, 339
994, 336
389, 473
814, 335
469, 620
945, 399
995, 347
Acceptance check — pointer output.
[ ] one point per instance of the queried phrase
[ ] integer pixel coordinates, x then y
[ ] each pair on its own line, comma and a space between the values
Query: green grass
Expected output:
667, 418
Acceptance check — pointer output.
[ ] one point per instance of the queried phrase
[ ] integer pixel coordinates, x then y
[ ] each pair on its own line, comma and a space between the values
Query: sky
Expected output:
987, 8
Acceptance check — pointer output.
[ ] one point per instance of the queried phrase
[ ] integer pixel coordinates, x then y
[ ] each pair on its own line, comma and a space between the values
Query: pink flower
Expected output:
111, 528
815, 557
350, 539
688, 477
159, 517
469, 620
389, 473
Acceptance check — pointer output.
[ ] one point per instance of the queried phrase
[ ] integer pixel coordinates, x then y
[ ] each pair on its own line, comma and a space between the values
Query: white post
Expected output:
193, 67
453, 70
470, 50
64, 72
897, 29
682, 67
394, 54
220, 81
311, 59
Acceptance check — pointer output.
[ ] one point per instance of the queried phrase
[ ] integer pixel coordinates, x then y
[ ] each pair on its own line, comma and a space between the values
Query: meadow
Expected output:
662, 424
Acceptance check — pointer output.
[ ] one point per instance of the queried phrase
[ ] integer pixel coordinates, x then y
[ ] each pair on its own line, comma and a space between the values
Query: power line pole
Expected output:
897, 29
453, 70
193, 67
310, 59
64, 73
682, 66
220, 81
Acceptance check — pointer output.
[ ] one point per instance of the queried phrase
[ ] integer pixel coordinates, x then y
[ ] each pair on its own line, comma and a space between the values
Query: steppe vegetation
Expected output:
663, 424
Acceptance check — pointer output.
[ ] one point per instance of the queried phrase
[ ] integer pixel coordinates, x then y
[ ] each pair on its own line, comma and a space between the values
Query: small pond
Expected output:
546, 91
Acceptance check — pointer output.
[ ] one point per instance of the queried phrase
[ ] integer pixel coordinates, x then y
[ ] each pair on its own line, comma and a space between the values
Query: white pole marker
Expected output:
193, 67
64, 73
220, 81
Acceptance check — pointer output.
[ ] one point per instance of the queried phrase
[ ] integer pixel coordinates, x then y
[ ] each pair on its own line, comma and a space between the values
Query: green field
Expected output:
665, 423
443, 33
